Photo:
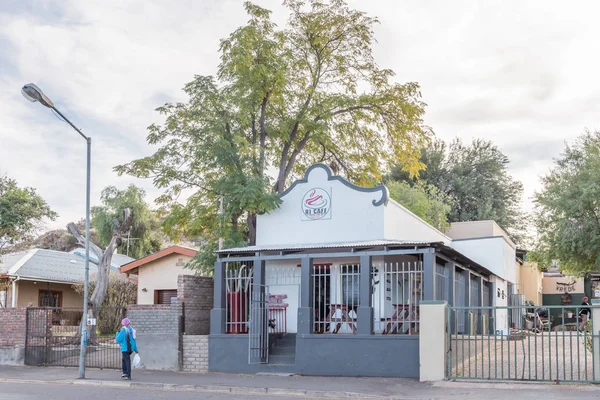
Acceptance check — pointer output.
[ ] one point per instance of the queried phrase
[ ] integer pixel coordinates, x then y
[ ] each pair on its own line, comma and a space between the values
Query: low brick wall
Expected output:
196, 293
195, 353
12, 336
157, 334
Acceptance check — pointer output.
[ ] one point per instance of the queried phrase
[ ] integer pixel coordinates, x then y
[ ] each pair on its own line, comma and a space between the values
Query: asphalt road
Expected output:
50, 391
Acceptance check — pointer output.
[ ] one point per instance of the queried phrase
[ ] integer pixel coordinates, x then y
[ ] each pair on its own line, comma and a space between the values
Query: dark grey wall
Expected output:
351, 355
327, 355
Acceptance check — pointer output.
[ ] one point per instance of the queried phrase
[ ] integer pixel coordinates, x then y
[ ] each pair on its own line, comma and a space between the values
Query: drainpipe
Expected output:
14, 292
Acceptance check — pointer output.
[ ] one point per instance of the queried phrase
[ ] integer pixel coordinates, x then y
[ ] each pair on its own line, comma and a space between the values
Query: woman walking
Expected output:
126, 338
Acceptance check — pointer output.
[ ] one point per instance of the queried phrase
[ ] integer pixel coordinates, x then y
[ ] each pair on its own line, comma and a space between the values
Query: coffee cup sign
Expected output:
316, 205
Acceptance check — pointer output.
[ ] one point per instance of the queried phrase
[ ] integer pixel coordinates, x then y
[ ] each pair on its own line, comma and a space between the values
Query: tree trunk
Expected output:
251, 229
105, 258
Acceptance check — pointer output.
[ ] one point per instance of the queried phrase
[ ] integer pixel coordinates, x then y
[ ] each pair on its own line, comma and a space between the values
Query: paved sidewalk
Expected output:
318, 387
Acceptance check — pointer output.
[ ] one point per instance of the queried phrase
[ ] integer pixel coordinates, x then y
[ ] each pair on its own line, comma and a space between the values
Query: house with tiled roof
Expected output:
45, 278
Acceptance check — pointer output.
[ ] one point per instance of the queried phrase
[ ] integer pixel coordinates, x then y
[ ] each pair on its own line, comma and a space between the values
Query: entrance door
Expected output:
322, 297
258, 336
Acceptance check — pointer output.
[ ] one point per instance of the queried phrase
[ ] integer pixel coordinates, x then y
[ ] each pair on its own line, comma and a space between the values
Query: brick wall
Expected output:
196, 292
195, 353
155, 319
12, 336
12, 327
157, 334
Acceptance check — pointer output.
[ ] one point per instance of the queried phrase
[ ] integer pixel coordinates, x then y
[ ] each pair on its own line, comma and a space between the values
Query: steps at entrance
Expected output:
283, 351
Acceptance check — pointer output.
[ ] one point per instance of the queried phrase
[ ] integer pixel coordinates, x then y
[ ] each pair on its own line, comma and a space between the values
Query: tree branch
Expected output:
71, 227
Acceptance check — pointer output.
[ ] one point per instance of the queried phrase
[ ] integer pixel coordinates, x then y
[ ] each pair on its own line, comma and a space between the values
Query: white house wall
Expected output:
351, 215
401, 224
500, 297
494, 253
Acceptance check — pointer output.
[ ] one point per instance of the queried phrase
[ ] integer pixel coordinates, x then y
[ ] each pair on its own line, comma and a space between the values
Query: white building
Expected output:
344, 262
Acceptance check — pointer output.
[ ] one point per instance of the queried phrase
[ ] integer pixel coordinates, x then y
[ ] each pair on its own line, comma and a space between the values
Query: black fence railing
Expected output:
54, 337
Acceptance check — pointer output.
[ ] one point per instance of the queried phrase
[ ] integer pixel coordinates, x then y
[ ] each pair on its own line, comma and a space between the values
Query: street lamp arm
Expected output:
70, 123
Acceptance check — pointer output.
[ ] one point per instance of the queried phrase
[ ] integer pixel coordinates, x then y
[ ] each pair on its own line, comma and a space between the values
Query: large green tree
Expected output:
122, 215
567, 212
283, 98
476, 179
22, 213
424, 200
145, 236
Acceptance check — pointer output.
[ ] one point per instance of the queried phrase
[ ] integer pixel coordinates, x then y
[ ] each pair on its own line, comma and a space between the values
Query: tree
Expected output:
121, 293
282, 99
424, 200
476, 179
22, 212
120, 228
145, 236
567, 214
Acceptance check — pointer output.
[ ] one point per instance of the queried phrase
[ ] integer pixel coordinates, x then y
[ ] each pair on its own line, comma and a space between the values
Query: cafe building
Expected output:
334, 282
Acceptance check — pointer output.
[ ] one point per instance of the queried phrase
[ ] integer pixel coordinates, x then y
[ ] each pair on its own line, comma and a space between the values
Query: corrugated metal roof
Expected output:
8, 260
55, 266
117, 261
50, 265
312, 246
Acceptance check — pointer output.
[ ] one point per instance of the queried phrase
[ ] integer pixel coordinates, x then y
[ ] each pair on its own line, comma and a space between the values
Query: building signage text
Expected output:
316, 205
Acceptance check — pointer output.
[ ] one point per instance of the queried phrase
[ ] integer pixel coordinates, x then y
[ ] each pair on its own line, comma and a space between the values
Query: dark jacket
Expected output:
585, 310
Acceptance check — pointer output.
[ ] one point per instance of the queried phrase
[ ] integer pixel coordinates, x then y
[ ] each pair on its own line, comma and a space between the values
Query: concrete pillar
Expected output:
217, 314
596, 337
432, 341
429, 275
451, 277
305, 311
365, 309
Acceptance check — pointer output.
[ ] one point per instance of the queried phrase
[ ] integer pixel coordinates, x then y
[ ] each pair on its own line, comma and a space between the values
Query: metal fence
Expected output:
397, 291
336, 298
238, 282
540, 348
53, 337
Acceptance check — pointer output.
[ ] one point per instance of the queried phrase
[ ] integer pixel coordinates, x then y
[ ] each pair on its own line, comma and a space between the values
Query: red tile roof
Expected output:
186, 251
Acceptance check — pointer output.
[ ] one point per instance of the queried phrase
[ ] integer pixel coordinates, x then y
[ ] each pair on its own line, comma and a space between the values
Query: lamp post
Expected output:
33, 93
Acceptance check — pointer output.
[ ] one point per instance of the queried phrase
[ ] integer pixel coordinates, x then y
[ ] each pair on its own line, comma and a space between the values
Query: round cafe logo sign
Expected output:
316, 204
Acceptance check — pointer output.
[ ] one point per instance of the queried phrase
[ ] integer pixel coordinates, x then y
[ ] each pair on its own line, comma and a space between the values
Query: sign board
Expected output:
316, 204
91, 321
562, 285
597, 293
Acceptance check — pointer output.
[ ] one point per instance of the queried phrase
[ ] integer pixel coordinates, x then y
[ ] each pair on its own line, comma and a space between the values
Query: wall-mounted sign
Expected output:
316, 204
562, 285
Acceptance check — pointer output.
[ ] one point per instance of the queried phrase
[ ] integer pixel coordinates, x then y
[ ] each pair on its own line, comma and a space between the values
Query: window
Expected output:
164, 296
3, 298
50, 298
351, 285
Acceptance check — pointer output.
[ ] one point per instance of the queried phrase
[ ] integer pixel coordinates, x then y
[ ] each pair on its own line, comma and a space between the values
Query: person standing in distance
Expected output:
126, 338
584, 314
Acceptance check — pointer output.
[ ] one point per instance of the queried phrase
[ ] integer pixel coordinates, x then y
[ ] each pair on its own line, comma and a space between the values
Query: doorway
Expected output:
321, 297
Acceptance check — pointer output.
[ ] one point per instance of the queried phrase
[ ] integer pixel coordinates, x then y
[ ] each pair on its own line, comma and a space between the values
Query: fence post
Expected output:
596, 338
305, 311
432, 340
217, 314
365, 310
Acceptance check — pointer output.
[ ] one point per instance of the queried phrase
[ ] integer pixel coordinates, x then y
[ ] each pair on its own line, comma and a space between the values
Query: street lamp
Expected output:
33, 93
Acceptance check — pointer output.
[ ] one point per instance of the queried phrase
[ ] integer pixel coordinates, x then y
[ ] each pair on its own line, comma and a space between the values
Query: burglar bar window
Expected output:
336, 298
50, 298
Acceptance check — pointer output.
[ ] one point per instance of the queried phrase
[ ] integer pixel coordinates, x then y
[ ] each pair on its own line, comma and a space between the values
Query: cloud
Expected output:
523, 74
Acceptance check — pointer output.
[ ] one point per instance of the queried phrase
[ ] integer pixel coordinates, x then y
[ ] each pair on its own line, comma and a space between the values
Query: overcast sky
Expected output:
523, 74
